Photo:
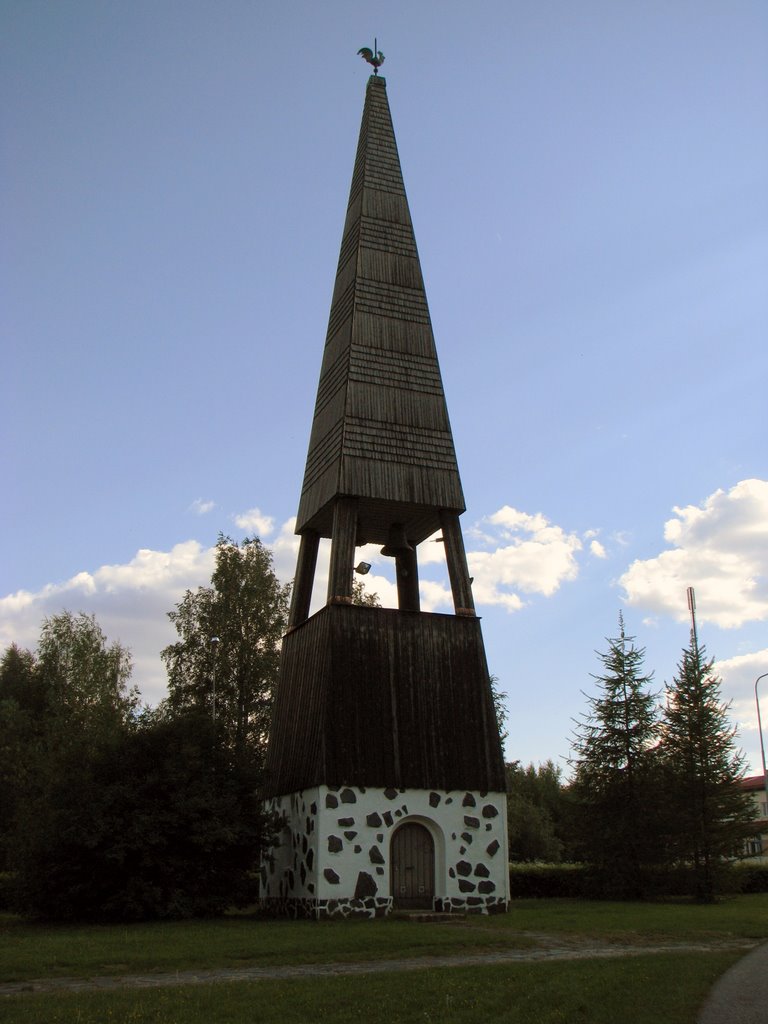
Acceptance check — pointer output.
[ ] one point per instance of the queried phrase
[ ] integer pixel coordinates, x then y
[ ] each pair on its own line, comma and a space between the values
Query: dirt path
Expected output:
552, 949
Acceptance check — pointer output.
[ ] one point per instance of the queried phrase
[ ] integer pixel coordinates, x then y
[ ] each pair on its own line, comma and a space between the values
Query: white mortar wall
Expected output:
349, 830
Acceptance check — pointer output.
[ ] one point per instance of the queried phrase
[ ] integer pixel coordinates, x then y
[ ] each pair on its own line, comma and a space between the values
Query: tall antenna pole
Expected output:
692, 608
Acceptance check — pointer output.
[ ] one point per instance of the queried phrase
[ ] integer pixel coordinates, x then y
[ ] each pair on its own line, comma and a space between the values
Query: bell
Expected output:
397, 542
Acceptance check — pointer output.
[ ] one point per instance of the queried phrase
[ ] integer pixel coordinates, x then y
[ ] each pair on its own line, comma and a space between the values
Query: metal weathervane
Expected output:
374, 57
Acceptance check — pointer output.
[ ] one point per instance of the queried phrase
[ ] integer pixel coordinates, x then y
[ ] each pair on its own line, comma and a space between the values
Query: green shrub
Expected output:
6, 890
162, 823
549, 881
581, 881
750, 876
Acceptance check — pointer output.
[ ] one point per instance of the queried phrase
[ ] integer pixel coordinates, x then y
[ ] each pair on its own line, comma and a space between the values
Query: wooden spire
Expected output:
381, 461
381, 432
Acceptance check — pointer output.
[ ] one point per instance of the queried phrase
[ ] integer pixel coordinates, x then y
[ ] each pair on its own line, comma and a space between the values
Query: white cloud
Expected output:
285, 550
435, 596
529, 555
432, 550
597, 549
255, 521
381, 586
130, 601
739, 674
721, 549
202, 507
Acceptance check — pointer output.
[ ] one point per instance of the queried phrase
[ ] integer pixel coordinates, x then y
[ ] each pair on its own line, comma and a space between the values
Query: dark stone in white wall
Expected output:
366, 886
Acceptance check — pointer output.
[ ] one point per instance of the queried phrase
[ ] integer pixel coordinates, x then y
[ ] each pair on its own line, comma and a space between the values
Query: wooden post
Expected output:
343, 541
305, 578
456, 559
407, 572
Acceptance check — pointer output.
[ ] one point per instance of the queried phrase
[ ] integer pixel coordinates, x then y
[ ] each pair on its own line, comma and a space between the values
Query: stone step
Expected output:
429, 916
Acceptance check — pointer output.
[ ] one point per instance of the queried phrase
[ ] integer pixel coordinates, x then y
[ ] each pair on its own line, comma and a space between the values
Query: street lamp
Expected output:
762, 745
214, 640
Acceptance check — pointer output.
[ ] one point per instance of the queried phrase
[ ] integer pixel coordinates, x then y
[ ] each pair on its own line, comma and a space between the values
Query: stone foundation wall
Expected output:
334, 854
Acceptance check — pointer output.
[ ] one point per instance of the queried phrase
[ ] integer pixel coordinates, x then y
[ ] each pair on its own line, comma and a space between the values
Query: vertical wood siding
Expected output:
378, 697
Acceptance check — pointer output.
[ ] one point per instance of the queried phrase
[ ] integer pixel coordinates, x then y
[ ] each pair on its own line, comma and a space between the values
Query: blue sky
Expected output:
589, 188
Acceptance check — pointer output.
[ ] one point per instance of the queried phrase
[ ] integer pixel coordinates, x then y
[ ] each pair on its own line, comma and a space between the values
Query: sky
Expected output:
589, 189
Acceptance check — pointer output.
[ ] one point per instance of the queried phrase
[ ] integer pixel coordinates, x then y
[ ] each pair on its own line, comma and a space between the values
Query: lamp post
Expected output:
762, 745
214, 640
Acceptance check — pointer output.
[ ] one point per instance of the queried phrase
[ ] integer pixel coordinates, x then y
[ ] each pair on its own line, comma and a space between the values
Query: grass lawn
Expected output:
636, 990
655, 987
37, 951
737, 917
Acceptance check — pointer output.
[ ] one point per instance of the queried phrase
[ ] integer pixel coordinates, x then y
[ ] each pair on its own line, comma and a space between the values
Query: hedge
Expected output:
581, 881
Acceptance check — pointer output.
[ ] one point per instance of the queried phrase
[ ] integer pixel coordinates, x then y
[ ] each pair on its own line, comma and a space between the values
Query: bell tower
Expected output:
384, 755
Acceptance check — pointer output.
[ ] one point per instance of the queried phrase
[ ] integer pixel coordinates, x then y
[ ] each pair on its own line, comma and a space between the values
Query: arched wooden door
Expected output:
412, 860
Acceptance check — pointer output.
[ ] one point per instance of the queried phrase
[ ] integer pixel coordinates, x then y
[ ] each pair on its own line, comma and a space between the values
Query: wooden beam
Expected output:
456, 558
343, 542
305, 578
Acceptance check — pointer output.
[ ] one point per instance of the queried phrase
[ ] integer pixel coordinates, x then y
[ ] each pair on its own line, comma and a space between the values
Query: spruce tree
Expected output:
710, 816
615, 785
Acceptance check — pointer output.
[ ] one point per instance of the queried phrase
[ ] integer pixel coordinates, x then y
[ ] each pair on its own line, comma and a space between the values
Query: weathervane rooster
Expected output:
374, 57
